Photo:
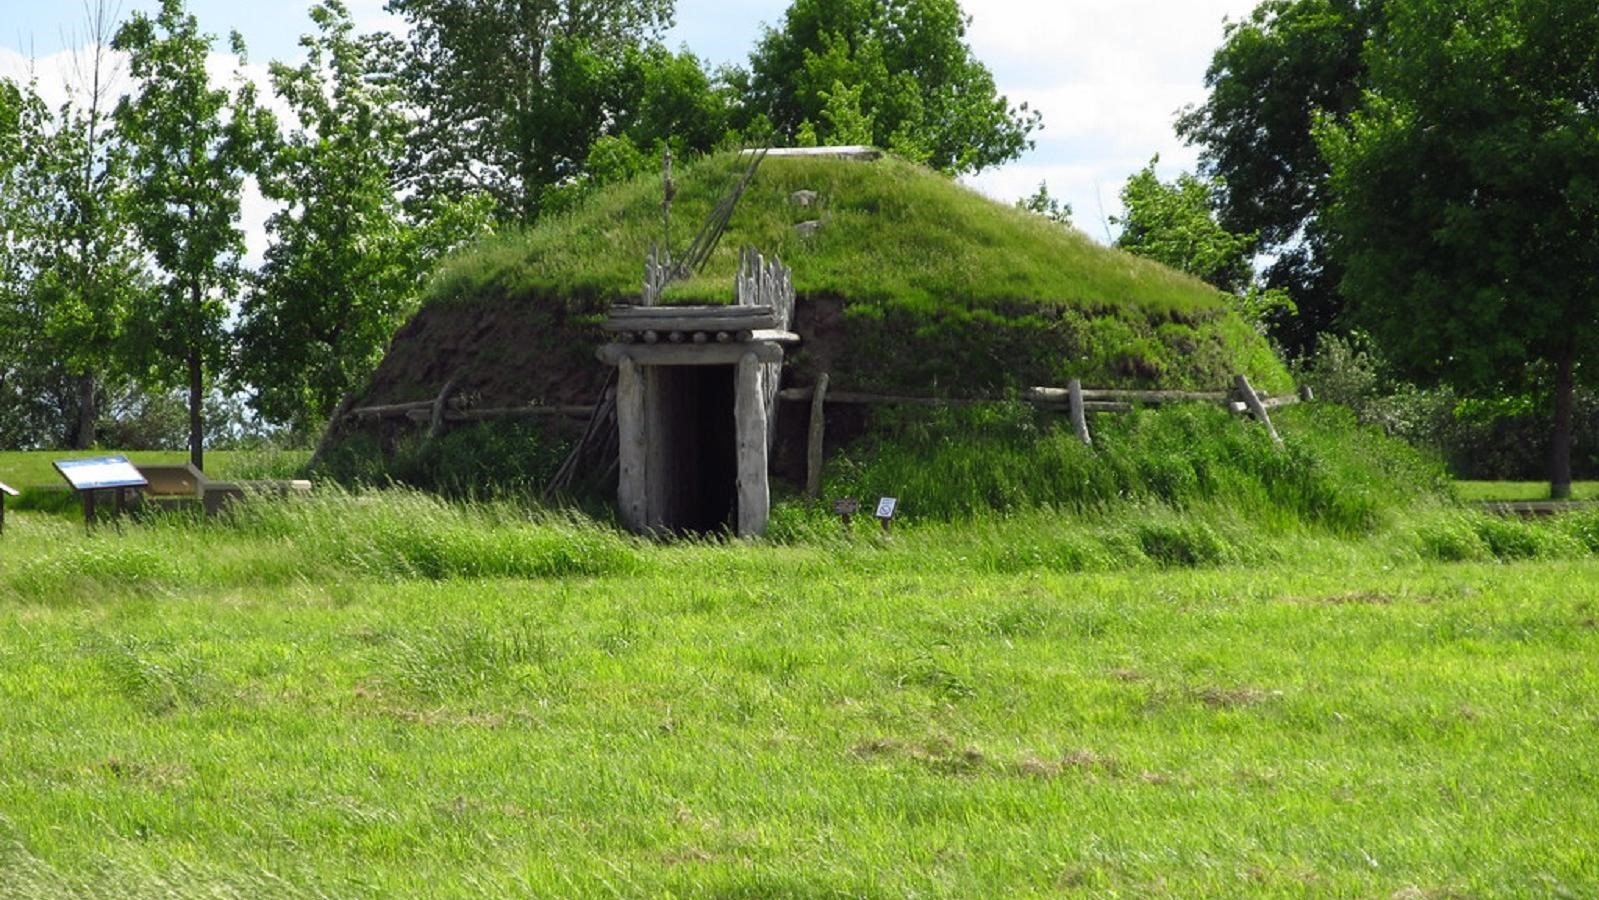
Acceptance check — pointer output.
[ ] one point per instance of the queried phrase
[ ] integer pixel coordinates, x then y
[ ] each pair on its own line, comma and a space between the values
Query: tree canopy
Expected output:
1466, 196
1276, 71
897, 74
190, 145
511, 96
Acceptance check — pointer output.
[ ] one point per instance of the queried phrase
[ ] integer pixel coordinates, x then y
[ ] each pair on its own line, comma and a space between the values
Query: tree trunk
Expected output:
88, 411
196, 405
1560, 449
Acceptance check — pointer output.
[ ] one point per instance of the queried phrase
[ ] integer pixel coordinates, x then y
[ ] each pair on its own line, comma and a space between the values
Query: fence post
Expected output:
1256, 408
1079, 417
813, 450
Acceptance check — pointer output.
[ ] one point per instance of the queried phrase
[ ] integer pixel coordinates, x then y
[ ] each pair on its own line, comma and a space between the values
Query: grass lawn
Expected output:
1510, 491
31, 468
371, 696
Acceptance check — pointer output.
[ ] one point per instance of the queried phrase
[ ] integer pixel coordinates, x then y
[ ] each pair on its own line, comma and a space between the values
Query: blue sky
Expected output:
1108, 75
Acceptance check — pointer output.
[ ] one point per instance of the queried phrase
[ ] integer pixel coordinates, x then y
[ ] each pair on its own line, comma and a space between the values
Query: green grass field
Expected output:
383, 694
32, 469
1510, 491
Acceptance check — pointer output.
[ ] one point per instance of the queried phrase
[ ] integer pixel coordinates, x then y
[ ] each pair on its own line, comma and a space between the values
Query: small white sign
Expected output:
100, 472
7, 489
886, 507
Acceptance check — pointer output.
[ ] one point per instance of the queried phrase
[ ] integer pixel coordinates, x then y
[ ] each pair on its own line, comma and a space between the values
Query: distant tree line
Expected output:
1421, 176
121, 278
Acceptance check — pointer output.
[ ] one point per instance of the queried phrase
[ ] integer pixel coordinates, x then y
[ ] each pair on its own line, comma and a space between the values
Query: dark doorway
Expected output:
693, 455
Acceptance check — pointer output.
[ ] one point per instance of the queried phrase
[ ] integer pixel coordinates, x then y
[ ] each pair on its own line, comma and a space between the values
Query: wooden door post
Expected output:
749, 415
632, 489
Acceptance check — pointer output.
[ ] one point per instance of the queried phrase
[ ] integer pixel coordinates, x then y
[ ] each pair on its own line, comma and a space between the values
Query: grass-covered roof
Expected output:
913, 283
892, 232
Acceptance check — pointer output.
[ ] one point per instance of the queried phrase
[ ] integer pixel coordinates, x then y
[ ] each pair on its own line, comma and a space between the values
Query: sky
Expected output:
1109, 76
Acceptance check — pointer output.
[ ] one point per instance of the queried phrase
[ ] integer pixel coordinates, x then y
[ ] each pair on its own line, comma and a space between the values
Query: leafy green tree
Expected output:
1176, 224
1045, 204
35, 391
511, 96
90, 269
1275, 72
345, 261
896, 74
190, 146
1466, 198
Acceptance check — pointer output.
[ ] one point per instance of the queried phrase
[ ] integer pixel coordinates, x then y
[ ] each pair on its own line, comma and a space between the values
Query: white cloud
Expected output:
58, 79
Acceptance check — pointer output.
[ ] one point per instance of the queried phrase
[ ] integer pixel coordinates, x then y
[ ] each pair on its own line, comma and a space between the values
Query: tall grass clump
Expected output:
395, 533
406, 533
964, 463
482, 459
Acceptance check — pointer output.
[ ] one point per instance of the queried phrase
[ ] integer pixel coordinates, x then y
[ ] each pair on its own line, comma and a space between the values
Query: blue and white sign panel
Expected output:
100, 472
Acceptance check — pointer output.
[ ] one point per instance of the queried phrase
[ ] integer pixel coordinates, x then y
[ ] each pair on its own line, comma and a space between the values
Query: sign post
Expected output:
86, 476
6, 490
885, 511
846, 509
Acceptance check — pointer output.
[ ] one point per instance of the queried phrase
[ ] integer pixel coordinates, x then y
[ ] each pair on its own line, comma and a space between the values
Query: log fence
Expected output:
1074, 399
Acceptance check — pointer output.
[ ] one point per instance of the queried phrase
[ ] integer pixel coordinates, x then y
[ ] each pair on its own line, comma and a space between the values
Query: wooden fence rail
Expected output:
1074, 399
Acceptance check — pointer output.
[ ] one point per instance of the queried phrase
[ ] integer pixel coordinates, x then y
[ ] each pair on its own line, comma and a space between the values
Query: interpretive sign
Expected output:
885, 511
100, 472
113, 473
6, 490
846, 509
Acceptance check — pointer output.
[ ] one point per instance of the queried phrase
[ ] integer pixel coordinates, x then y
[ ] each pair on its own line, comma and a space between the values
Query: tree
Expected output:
1175, 224
512, 95
89, 269
35, 391
1466, 198
1276, 71
898, 72
190, 147
1045, 204
345, 262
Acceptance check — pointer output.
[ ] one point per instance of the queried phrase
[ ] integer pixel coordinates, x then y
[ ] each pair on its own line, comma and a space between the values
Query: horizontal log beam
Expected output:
690, 354
508, 412
390, 409
1063, 395
666, 324
656, 312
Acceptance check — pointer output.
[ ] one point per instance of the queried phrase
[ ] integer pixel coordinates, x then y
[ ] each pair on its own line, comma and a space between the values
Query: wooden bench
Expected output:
177, 484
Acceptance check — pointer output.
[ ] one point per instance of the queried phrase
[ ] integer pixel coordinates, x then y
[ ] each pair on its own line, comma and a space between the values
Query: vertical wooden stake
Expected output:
436, 423
1256, 408
1079, 417
749, 415
813, 450
631, 487
2, 513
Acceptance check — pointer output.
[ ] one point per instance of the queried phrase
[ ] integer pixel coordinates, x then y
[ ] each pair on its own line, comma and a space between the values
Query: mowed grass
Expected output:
32, 468
385, 695
1512, 491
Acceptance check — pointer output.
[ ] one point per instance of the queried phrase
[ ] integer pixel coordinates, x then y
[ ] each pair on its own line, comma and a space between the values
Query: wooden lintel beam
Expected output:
690, 354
